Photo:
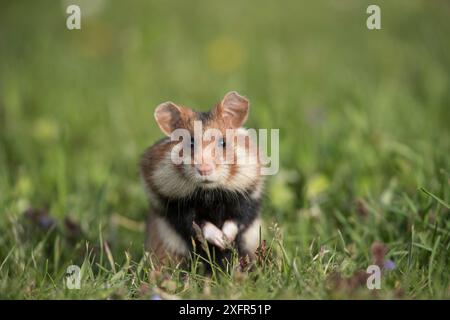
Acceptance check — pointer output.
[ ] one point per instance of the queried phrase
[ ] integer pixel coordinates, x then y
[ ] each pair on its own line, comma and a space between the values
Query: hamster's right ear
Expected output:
168, 117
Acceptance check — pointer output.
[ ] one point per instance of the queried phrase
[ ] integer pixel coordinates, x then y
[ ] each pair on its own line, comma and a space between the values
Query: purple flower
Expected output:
389, 265
46, 222
155, 297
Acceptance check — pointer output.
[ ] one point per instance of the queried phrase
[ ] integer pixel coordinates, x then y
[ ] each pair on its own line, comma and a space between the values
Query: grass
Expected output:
364, 143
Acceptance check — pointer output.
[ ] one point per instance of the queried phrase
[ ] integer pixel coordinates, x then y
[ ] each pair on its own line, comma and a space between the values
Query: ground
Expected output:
364, 143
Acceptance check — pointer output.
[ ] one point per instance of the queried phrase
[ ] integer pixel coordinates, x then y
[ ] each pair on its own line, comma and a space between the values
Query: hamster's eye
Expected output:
222, 143
192, 142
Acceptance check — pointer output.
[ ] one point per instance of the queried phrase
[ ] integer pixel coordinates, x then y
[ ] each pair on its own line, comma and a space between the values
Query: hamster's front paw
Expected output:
214, 235
230, 230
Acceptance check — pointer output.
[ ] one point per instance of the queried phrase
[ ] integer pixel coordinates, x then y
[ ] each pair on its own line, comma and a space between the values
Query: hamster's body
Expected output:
222, 198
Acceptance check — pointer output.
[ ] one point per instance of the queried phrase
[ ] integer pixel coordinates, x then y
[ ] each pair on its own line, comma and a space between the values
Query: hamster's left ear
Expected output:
234, 109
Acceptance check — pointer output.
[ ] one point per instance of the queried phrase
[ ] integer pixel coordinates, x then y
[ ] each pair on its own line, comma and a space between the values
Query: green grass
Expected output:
364, 142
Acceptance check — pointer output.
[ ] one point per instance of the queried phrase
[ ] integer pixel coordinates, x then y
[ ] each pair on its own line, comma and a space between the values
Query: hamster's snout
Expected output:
204, 169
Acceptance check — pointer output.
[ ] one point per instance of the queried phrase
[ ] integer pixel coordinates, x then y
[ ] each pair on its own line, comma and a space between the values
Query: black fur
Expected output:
215, 206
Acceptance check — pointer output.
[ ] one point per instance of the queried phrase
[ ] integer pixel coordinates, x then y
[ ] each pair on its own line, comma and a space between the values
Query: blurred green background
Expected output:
363, 115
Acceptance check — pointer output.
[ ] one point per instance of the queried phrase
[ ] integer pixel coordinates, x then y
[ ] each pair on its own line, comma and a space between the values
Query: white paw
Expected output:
214, 235
230, 230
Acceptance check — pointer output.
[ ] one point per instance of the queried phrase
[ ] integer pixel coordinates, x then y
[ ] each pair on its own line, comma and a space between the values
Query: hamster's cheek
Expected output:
189, 171
222, 172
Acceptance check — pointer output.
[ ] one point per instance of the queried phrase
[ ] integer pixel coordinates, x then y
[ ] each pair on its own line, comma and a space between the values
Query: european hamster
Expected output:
202, 186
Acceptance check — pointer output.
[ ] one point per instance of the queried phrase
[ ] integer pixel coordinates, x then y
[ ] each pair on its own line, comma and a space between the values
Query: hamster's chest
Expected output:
216, 213
215, 208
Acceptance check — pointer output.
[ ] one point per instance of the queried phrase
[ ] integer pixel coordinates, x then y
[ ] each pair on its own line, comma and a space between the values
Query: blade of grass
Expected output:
430, 265
435, 197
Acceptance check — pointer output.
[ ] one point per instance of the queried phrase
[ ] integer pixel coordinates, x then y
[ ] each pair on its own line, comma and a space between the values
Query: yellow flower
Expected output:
316, 186
45, 129
224, 55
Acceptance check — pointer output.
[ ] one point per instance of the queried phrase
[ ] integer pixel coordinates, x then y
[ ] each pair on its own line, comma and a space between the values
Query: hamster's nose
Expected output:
204, 169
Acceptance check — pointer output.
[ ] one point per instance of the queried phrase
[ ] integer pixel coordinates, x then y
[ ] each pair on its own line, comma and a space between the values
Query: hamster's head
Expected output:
211, 149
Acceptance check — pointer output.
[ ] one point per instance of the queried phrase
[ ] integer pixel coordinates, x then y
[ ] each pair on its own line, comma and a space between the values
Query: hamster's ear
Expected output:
234, 109
168, 117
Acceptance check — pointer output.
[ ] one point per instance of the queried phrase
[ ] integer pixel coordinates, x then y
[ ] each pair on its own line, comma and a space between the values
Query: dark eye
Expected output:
192, 142
222, 143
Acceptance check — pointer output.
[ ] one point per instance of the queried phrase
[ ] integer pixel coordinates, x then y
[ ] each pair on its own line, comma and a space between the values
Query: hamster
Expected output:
223, 198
